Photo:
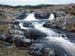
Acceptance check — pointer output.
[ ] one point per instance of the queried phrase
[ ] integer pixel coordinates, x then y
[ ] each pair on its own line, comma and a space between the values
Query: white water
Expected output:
22, 27
30, 17
58, 40
51, 17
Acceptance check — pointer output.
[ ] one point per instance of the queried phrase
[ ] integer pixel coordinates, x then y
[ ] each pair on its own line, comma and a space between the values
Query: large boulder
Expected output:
48, 52
34, 34
42, 15
35, 49
7, 37
28, 24
22, 41
47, 25
22, 16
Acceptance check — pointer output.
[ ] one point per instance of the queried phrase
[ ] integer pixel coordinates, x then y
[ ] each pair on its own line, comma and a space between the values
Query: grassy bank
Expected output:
12, 51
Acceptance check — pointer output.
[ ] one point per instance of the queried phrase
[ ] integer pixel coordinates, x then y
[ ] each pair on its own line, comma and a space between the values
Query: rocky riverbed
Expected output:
37, 38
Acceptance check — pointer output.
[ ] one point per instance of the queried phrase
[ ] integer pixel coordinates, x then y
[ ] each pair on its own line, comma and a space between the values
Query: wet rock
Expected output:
22, 16
16, 31
25, 40
22, 41
2, 36
28, 24
35, 49
34, 34
9, 38
19, 32
36, 46
42, 15
15, 22
17, 36
48, 52
6, 37
47, 25
35, 53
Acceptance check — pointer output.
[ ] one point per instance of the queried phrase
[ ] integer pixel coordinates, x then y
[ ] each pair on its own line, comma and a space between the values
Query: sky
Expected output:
35, 2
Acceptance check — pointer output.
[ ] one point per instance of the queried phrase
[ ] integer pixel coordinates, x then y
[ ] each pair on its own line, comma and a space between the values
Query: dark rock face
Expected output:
37, 15
15, 22
42, 15
27, 24
22, 16
48, 52
2, 36
6, 37
34, 34
35, 49
22, 42
38, 49
47, 24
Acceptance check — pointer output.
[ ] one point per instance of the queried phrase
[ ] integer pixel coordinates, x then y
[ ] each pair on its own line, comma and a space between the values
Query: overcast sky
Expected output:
35, 2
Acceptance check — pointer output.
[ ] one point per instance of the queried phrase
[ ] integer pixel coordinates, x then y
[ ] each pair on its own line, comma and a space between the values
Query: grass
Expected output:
12, 51
4, 27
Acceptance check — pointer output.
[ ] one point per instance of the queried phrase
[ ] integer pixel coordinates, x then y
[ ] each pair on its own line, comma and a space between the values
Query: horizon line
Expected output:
39, 4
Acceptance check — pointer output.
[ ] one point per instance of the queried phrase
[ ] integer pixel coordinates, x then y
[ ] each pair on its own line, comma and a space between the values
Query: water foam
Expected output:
30, 17
51, 17
57, 40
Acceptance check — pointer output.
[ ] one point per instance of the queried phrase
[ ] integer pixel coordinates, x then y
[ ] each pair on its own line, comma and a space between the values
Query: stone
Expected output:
42, 15
34, 34
21, 40
47, 25
49, 52
27, 24
35, 49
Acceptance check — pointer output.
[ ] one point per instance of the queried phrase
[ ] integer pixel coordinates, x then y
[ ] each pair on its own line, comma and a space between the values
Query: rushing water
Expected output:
51, 17
30, 17
61, 44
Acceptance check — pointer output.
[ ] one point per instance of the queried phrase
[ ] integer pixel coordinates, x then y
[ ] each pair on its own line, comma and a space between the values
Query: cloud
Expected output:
34, 2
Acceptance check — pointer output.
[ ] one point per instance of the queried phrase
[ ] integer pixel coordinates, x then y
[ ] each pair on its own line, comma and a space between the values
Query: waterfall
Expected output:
51, 17
57, 40
30, 17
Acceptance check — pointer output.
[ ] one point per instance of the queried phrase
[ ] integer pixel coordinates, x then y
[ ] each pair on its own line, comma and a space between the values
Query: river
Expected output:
54, 40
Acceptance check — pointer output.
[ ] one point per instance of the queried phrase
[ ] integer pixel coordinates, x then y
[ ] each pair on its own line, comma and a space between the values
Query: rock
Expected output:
60, 13
34, 34
36, 53
47, 25
17, 31
21, 40
2, 36
9, 38
37, 46
25, 40
22, 16
35, 49
15, 22
28, 24
6, 37
42, 15
48, 52
17, 36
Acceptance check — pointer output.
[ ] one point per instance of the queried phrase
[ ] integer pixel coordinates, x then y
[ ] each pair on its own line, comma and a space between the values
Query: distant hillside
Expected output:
27, 6
11, 12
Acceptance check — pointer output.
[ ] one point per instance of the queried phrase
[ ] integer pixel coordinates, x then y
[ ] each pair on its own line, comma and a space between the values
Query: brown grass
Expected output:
12, 51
